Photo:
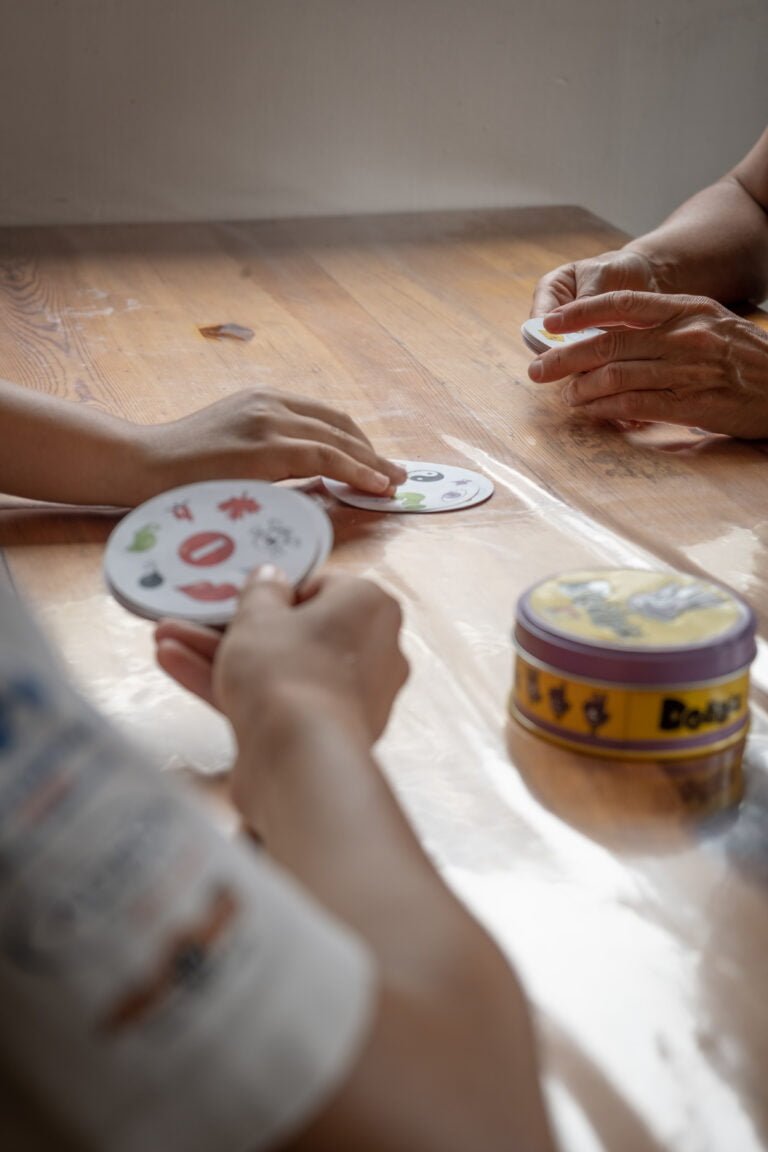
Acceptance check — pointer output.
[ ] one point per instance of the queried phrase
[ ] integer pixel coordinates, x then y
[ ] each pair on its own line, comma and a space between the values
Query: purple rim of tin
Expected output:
658, 747
730, 652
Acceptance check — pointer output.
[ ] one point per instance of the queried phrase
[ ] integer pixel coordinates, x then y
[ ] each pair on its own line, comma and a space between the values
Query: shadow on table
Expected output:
635, 806
23, 525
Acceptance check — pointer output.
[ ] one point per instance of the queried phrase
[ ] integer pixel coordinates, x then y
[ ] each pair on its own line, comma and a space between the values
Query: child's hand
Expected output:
263, 435
332, 648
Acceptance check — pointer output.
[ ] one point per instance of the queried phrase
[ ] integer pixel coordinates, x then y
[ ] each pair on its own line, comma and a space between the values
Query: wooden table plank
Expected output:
640, 934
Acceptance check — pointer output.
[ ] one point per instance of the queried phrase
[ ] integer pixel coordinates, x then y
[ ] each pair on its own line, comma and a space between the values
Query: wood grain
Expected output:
640, 932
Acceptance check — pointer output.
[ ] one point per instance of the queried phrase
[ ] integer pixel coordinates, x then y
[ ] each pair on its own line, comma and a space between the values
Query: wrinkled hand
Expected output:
679, 359
332, 648
268, 436
611, 271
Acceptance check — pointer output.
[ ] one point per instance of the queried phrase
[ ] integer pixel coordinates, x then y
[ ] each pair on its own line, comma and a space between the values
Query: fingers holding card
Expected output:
540, 340
188, 552
429, 487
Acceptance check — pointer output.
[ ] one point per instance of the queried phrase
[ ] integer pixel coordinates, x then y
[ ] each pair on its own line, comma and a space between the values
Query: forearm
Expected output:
715, 245
328, 816
69, 453
451, 1062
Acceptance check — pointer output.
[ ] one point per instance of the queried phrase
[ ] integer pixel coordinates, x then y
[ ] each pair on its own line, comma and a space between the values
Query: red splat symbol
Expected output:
182, 512
238, 506
209, 592
205, 549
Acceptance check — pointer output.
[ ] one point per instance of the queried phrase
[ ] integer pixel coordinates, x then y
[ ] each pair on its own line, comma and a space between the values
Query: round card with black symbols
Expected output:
539, 340
429, 488
187, 552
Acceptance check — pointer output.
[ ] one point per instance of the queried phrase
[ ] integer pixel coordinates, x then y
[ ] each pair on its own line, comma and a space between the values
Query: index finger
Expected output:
357, 466
316, 410
625, 309
609, 346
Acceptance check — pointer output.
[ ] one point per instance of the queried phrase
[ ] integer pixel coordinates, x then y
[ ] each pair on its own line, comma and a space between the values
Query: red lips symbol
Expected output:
205, 549
209, 592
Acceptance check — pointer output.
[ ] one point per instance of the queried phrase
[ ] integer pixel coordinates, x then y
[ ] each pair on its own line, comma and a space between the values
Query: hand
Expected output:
264, 435
679, 359
611, 271
333, 648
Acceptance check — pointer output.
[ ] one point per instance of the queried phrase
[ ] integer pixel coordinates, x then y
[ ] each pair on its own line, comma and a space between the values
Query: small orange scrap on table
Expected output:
227, 331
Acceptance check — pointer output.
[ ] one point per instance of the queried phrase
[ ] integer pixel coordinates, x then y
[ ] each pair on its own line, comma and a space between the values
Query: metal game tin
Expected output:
634, 664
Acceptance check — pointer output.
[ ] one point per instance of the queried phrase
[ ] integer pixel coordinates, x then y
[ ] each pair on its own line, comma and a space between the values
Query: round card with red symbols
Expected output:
188, 552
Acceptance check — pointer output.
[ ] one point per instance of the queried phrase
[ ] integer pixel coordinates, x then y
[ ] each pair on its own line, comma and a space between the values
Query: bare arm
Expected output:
716, 243
675, 353
64, 452
450, 1064
71, 453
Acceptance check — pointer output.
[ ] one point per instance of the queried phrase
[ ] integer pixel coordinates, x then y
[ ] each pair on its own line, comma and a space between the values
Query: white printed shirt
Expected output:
161, 987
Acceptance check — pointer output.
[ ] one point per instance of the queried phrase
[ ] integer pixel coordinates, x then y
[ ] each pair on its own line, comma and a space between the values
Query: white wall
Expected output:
179, 109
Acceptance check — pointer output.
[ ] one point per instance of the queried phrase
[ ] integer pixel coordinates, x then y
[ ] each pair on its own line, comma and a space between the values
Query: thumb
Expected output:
594, 278
266, 591
554, 289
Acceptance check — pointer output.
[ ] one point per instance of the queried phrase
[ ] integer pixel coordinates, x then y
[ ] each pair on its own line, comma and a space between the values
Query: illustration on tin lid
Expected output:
636, 607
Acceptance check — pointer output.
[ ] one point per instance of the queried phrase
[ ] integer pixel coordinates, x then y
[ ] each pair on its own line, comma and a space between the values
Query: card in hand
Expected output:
540, 340
188, 552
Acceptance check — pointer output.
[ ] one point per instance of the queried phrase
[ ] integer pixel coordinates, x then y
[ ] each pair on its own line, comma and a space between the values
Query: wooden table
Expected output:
641, 934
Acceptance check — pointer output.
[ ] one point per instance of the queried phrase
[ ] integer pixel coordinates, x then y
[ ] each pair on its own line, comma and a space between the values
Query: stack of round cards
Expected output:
188, 552
539, 340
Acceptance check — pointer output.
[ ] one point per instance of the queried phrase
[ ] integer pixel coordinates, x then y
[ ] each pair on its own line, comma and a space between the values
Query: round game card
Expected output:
539, 340
187, 552
429, 488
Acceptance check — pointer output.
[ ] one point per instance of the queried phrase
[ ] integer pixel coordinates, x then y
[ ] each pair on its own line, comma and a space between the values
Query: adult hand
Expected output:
265, 435
333, 648
611, 271
679, 359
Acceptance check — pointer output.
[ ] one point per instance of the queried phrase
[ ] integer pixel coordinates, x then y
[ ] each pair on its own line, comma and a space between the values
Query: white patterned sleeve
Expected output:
162, 987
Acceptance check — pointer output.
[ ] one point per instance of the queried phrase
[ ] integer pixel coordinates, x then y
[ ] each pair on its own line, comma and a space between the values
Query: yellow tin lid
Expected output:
636, 626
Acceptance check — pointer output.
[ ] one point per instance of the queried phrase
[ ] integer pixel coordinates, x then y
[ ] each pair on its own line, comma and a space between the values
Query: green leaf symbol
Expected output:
145, 538
411, 499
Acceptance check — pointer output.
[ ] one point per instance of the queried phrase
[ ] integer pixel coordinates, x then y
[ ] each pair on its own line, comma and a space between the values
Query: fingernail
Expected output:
535, 370
568, 394
268, 574
553, 321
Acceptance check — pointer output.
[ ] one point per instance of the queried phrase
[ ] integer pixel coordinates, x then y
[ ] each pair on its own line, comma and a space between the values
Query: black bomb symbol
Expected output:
151, 579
